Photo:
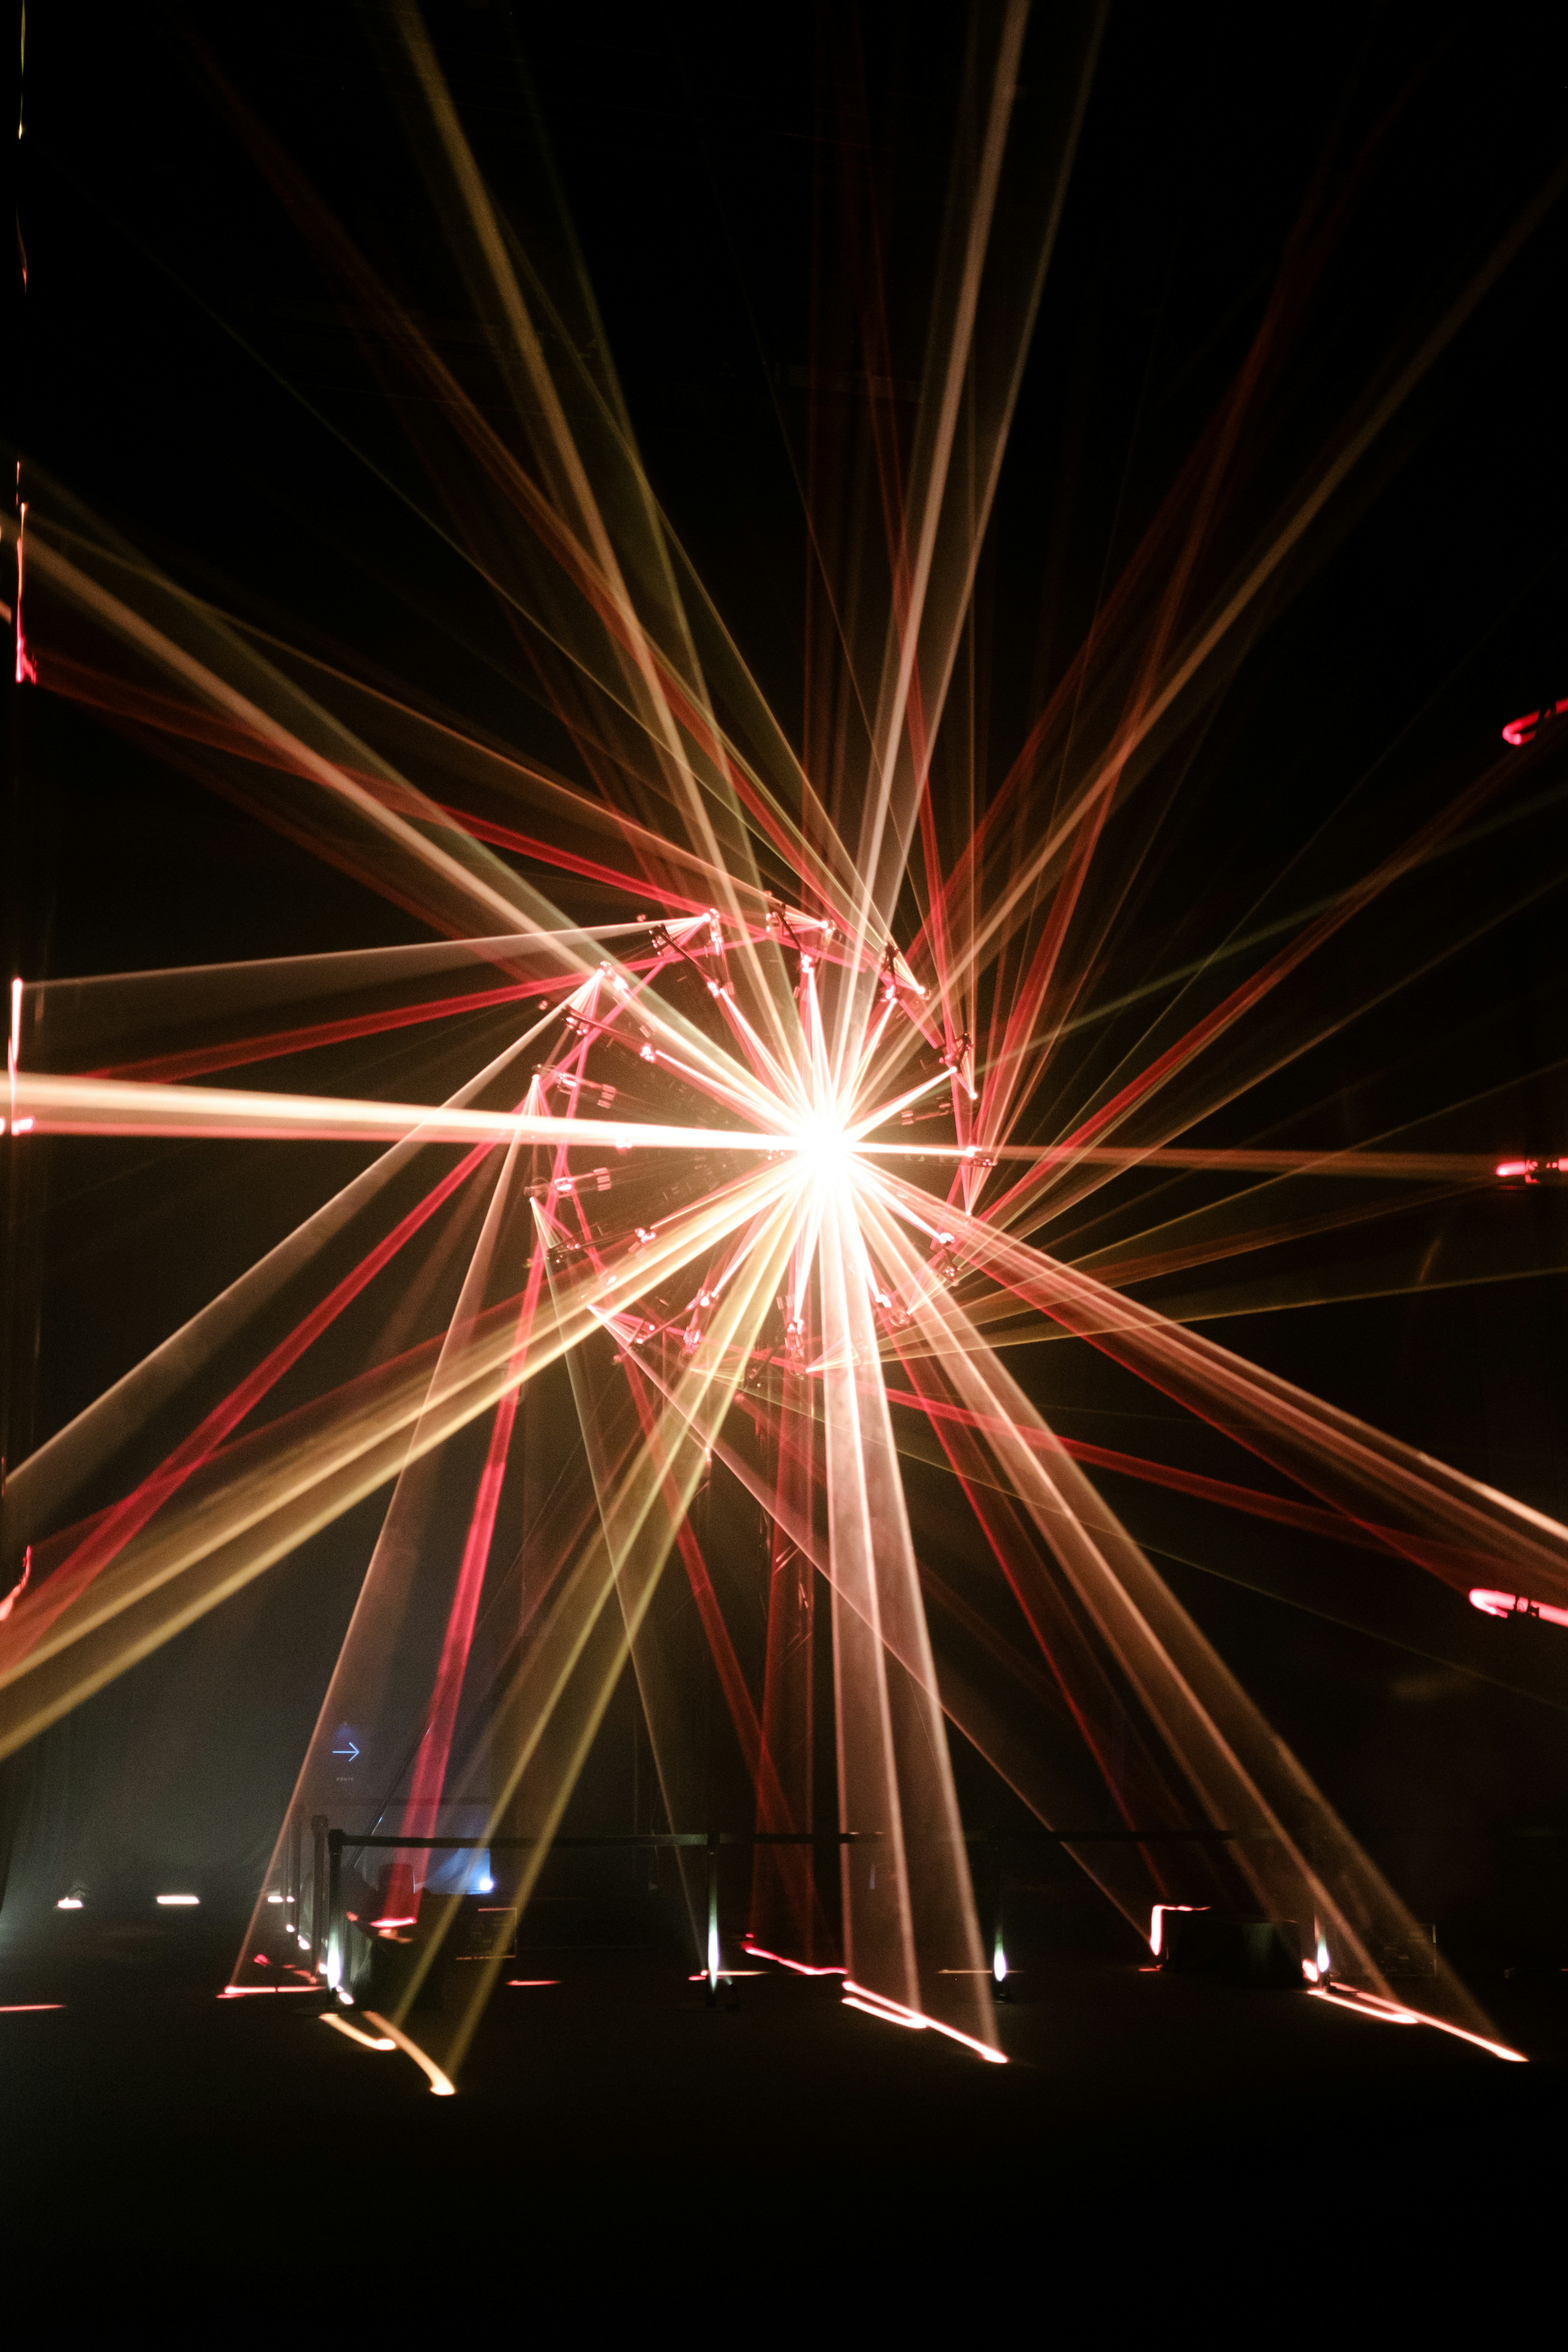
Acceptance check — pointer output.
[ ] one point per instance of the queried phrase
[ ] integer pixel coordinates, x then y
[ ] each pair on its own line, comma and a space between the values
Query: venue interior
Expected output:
784, 1509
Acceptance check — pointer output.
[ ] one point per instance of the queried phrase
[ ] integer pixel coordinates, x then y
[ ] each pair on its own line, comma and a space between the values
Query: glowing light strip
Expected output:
893, 2013
766, 1068
1282, 1424
637, 1522
718, 1077
885, 821
888, 2016
733, 1680
866, 1124
448, 877
574, 527
1514, 1604
1063, 1500
800, 1967
1290, 528
113, 1531
1417, 1167
549, 853
244, 1992
57, 1106
14, 1048
26, 668
476, 1384
1519, 731
868, 1053
1373, 2006
26, 2008
751, 1103
1157, 1921
18, 1589
280, 1044
1319, 1519
434, 1748
37, 1486
442, 2084
334, 972
365, 2041
64, 1105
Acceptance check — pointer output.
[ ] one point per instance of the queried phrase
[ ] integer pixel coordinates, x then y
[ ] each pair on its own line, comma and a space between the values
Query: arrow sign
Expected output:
350, 1750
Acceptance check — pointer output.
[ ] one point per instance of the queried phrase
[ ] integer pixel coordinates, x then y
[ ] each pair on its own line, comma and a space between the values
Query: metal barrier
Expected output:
710, 1841
327, 1923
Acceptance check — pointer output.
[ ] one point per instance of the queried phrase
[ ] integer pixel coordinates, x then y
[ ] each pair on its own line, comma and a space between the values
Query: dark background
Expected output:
179, 363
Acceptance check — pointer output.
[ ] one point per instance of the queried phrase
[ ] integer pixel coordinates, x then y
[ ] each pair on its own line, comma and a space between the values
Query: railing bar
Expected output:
791, 1837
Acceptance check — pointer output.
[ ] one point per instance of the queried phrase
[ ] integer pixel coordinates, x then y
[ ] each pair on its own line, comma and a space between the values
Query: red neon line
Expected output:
1373, 2006
731, 1679
26, 2008
801, 1968
1067, 891
895, 2013
1312, 1518
440, 2081
170, 716
1278, 967
20, 1587
1184, 509
1517, 732
1320, 1448
240, 1992
1515, 1604
941, 960
364, 1386
27, 669
1002, 1087
784, 1896
1079, 1674
888, 2016
434, 1749
117, 1525
548, 853
494, 458
204, 1059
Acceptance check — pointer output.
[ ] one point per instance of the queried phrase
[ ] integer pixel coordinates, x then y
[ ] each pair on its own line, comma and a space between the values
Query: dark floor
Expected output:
1155, 2143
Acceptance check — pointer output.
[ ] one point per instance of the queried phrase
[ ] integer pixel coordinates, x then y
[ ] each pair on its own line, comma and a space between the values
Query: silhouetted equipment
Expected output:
1265, 1952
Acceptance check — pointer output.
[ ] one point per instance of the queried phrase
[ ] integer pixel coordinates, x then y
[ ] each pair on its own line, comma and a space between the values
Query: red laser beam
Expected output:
116, 1527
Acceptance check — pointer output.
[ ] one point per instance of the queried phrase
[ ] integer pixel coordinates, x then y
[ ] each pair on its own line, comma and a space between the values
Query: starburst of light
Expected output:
775, 1192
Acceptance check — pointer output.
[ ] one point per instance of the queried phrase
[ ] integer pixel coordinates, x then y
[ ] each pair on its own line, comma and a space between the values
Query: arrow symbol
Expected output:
351, 1750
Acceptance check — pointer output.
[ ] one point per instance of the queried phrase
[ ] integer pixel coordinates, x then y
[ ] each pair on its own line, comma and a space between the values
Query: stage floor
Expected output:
611, 2117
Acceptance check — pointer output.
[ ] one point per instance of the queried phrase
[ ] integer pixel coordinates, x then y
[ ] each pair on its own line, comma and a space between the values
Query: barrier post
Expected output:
317, 1886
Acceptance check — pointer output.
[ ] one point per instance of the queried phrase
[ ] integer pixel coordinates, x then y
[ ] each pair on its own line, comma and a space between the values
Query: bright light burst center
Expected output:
825, 1145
